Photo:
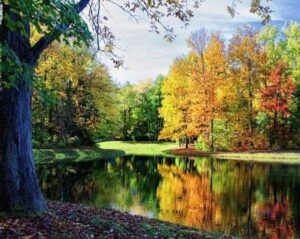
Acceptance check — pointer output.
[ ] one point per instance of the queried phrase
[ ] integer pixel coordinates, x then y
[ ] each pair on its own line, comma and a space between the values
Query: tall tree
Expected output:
175, 110
19, 187
63, 72
276, 98
128, 95
148, 122
207, 83
246, 60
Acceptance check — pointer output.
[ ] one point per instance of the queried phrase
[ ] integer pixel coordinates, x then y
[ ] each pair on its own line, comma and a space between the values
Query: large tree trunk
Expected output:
212, 140
19, 189
186, 142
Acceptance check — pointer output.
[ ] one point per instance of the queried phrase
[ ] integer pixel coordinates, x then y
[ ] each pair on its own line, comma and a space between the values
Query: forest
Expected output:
224, 95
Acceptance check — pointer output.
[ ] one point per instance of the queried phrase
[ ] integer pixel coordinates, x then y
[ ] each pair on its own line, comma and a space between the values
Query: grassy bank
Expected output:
112, 149
171, 149
50, 155
139, 148
64, 220
288, 157
269, 157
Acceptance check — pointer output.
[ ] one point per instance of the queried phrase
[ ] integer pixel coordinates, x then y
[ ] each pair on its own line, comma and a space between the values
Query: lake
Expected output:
249, 200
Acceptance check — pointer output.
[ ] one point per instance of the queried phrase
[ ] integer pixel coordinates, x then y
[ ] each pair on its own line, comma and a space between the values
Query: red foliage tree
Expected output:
276, 97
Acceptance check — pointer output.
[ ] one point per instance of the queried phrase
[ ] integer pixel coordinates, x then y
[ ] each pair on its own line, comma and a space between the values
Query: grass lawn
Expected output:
139, 148
54, 155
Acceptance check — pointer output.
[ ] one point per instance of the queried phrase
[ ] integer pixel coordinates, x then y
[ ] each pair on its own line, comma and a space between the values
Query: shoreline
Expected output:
75, 154
265, 156
113, 149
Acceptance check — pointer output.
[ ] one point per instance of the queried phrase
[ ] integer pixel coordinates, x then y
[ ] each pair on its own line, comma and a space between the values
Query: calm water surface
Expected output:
248, 200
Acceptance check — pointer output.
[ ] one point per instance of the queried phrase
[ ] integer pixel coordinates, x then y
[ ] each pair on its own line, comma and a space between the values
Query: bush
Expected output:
201, 144
223, 135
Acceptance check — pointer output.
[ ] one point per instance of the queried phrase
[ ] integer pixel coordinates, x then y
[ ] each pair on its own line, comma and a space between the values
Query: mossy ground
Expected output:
82, 154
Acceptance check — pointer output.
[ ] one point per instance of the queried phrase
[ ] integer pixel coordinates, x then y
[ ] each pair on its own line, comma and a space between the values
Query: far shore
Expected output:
270, 156
167, 149
113, 149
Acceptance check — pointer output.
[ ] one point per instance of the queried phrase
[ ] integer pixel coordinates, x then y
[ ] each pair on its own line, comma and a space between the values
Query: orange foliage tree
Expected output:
247, 65
206, 87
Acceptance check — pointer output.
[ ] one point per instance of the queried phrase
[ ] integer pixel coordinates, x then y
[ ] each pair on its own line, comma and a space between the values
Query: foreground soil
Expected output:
64, 220
187, 152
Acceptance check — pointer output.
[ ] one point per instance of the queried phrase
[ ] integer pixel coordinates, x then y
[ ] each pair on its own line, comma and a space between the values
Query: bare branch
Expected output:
124, 9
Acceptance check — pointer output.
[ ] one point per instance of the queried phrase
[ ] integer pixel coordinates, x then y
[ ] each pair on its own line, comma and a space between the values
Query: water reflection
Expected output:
244, 199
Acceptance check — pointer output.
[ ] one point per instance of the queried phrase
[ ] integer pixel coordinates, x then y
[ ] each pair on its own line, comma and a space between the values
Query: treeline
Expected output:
73, 97
140, 104
240, 95
76, 103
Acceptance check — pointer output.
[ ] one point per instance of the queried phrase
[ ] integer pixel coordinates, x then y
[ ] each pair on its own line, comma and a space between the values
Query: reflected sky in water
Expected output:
248, 200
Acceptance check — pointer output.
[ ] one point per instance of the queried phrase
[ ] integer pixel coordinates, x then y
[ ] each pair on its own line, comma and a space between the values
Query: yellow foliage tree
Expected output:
175, 110
247, 72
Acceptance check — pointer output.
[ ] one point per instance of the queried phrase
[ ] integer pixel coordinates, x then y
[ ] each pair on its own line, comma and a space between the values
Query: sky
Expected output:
146, 54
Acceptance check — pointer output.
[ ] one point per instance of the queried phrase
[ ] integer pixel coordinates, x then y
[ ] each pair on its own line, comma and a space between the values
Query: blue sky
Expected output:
147, 54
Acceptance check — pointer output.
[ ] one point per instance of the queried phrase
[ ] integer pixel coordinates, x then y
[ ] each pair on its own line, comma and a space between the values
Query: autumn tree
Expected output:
61, 71
175, 110
276, 97
198, 42
247, 61
206, 86
105, 99
283, 46
73, 98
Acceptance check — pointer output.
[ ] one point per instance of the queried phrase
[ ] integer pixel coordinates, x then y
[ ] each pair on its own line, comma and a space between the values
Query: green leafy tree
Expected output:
148, 122
127, 100
72, 99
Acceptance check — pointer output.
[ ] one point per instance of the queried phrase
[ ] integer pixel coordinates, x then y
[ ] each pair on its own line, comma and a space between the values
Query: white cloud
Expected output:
148, 54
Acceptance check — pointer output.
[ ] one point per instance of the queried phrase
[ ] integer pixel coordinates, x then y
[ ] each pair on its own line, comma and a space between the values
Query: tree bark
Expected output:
186, 142
19, 188
211, 146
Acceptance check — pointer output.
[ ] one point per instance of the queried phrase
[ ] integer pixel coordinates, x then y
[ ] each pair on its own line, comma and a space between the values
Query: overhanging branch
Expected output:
46, 40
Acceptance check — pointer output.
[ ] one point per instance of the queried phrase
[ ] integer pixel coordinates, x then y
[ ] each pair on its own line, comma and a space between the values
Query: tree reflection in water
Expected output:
245, 199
